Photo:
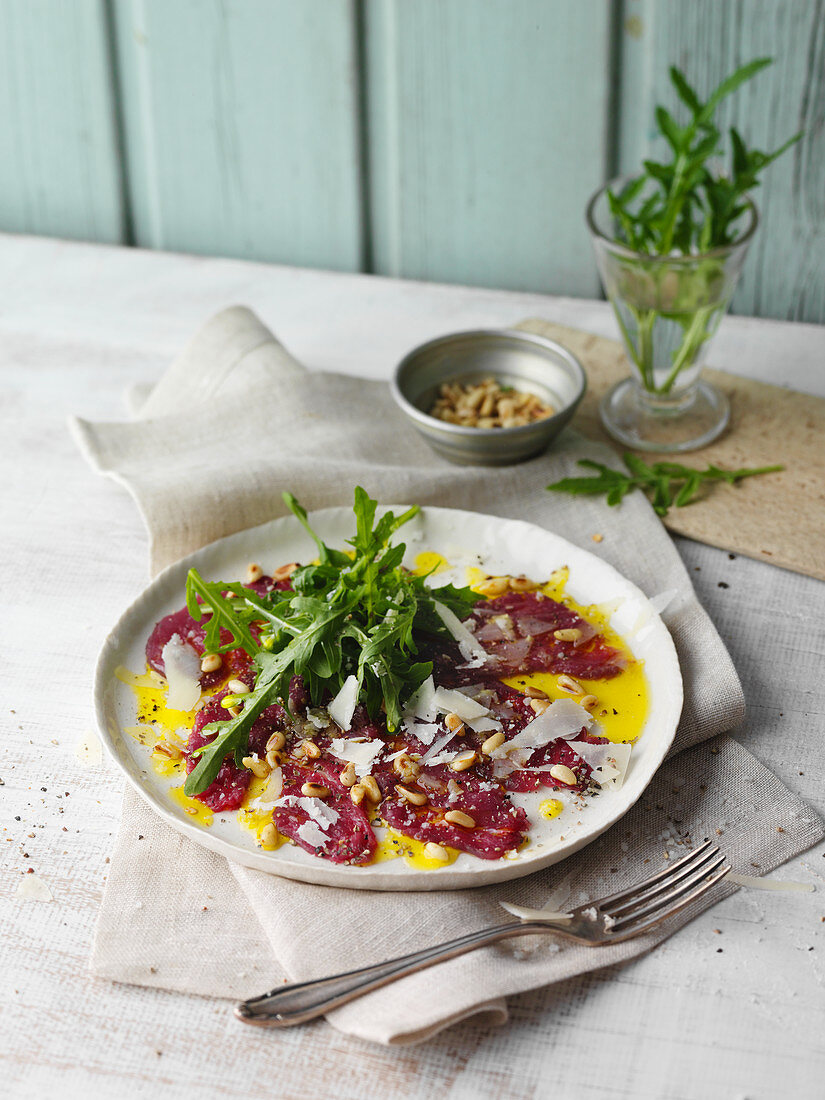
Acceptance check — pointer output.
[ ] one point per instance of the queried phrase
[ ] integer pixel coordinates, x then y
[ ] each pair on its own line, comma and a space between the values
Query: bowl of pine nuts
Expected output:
490, 397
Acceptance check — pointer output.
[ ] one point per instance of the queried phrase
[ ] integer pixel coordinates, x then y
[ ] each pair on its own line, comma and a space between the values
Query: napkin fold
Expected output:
235, 420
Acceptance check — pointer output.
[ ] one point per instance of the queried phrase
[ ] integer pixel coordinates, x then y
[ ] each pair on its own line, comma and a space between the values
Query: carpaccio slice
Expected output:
228, 790
557, 752
499, 826
181, 623
336, 829
517, 631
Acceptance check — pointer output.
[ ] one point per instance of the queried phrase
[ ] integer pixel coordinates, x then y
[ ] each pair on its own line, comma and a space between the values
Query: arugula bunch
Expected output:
682, 205
668, 484
355, 612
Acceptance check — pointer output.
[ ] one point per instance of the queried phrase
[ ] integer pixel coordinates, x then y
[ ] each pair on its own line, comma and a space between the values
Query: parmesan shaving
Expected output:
182, 666
312, 835
360, 753
342, 707
471, 649
467, 709
770, 884
609, 762
435, 749
534, 914
32, 888
563, 718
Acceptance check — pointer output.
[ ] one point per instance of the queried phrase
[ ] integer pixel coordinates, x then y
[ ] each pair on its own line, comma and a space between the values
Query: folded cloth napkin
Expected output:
233, 422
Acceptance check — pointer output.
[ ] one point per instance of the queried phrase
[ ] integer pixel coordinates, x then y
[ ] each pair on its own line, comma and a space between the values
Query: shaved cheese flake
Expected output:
360, 753
342, 707
421, 703
182, 666
312, 835
456, 702
315, 808
471, 649
609, 762
435, 749
424, 731
563, 718
88, 750
770, 884
534, 914
32, 888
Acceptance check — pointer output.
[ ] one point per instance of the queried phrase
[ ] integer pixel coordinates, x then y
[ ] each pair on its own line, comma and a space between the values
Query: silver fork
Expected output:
612, 919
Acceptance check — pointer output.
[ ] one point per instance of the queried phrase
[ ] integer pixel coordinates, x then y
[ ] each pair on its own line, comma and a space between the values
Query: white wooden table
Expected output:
731, 1007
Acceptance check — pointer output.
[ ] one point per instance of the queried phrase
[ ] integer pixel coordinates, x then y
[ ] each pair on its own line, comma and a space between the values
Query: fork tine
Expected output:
631, 891
663, 901
636, 929
707, 862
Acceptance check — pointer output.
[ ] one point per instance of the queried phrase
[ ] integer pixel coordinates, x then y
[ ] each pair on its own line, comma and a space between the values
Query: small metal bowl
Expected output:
526, 362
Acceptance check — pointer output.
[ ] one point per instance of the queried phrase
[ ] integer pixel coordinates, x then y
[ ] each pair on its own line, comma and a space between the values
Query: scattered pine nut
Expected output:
493, 742
276, 741
588, 701
357, 794
458, 817
314, 790
172, 752
463, 761
435, 851
238, 687
256, 766
416, 798
269, 835
539, 706
567, 683
371, 788
564, 774
211, 662
453, 723
568, 634
348, 775
253, 572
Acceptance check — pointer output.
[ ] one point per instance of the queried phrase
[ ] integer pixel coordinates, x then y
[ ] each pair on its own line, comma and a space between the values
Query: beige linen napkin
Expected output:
233, 422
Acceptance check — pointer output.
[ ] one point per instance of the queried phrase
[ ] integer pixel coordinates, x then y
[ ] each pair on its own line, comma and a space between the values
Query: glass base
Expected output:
670, 428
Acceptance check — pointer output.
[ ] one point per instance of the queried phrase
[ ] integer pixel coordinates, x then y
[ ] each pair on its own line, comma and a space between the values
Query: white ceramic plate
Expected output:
499, 546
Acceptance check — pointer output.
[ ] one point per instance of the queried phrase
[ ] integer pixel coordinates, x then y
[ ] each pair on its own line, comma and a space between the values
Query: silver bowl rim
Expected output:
427, 421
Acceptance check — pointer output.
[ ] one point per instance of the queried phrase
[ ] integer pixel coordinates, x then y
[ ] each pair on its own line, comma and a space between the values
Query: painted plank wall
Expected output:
453, 140
241, 122
487, 130
60, 172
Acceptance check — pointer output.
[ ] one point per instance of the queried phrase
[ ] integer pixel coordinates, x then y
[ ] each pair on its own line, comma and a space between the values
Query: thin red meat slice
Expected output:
499, 826
181, 623
536, 617
557, 752
350, 838
228, 790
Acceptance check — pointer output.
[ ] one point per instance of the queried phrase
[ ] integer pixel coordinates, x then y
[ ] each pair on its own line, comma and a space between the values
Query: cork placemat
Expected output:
777, 518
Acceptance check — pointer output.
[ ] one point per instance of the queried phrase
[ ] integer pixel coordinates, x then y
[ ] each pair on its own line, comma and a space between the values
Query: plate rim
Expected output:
345, 876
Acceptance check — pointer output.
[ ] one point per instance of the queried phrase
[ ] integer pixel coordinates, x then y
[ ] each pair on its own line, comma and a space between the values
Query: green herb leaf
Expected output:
668, 484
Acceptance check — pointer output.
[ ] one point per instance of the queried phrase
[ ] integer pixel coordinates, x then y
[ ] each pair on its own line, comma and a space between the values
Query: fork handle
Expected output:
302, 1001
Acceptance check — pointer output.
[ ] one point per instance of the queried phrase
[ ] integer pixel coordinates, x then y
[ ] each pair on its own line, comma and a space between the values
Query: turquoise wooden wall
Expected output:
452, 140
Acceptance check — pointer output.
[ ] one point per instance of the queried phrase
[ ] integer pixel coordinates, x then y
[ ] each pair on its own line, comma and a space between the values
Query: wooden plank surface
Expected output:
737, 1012
59, 159
242, 128
783, 276
488, 127
778, 518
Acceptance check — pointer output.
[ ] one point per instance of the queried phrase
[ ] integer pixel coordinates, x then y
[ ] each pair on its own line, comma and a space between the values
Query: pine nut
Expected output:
273, 758
238, 687
493, 742
534, 692
269, 835
170, 751
569, 634
453, 723
463, 761
495, 586
276, 741
406, 767
567, 683
309, 750
357, 794
522, 584
564, 774
435, 851
313, 790
257, 767
348, 775
588, 701
417, 798
539, 706
285, 571
211, 662
371, 788
458, 817
253, 572
234, 711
